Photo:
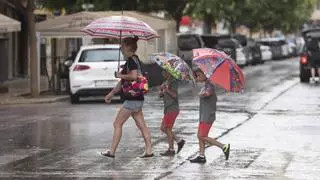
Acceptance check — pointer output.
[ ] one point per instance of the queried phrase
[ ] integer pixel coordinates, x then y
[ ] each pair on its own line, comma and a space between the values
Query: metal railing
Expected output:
58, 78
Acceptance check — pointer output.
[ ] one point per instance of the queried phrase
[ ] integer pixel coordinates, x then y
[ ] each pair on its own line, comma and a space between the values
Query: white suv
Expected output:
92, 72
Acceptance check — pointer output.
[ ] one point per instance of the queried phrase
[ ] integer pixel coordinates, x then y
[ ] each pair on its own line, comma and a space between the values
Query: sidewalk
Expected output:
19, 89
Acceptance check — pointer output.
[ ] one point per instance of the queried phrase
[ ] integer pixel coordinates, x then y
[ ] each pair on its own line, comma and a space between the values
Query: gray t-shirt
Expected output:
208, 104
171, 103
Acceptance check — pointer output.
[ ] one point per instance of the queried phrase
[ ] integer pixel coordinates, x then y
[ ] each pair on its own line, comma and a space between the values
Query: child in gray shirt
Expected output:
169, 92
207, 115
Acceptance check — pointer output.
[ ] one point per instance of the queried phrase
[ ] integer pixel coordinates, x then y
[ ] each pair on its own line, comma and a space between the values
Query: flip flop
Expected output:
147, 155
107, 154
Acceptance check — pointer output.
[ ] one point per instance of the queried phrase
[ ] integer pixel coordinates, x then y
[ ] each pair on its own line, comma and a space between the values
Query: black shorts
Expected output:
315, 63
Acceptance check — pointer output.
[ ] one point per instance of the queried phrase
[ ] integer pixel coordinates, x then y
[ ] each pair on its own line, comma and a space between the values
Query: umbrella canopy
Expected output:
120, 27
177, 67
220, 69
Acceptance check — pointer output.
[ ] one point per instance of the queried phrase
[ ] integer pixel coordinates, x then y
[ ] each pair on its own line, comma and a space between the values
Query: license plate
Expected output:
104, 83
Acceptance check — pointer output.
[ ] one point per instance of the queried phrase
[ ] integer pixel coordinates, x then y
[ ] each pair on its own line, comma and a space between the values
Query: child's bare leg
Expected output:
170, 138
202, 144
175, 138
313, 72
213, 142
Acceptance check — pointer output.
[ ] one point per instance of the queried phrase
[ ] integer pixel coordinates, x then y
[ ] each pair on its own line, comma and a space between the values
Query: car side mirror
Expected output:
68, 63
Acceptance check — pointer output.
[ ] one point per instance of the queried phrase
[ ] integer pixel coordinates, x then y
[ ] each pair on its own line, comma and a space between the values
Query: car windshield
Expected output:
100, 55
187, 43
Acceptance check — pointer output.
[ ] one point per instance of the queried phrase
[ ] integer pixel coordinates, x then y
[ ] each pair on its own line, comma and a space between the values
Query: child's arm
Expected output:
171, 90
161, 90
207, 92
171, 93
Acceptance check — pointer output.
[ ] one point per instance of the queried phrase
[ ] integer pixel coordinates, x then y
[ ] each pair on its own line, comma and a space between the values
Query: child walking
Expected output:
169, 92
207, 112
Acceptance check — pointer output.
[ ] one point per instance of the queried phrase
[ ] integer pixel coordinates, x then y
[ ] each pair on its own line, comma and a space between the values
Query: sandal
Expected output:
147, 155
107, 154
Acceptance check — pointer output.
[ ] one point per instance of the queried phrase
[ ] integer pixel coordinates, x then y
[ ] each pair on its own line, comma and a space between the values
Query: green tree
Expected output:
76, 5
300, 13
173, 9
26, 8
210, 11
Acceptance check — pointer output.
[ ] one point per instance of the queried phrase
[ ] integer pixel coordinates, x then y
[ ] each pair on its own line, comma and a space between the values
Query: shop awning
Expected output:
8, 24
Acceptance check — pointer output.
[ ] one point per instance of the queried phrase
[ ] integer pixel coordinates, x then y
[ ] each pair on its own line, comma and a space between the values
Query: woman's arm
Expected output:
131, 76
116, 89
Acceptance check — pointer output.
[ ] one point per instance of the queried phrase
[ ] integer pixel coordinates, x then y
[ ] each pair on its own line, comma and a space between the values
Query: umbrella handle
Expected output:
120, 42
119, 51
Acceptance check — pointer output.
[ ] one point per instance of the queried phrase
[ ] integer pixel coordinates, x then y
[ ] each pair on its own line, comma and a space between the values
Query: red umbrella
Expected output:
220, 69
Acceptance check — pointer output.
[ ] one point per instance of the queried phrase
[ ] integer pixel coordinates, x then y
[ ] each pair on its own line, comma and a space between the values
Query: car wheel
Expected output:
74, 99
304, 74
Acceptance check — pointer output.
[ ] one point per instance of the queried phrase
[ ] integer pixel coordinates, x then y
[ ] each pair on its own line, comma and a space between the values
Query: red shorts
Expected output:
203, 129
169, 118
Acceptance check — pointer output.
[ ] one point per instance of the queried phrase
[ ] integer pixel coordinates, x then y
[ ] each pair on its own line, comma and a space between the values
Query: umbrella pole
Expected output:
119, 51
120, 43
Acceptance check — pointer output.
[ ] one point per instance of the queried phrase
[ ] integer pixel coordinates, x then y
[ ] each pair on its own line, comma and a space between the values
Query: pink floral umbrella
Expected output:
120, 27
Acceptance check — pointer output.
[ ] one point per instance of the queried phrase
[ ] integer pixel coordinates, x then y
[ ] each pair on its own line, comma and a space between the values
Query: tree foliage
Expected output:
285, 15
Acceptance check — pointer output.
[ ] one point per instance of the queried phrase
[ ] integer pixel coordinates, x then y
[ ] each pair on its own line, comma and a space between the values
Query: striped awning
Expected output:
8, 24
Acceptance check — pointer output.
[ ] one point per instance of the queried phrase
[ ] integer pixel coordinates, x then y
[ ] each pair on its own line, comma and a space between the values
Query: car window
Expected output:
187, 43
227, 43
100, 55
282, 42
265, 43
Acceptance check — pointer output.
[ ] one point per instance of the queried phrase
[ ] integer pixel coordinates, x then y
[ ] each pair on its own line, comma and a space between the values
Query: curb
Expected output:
15, 100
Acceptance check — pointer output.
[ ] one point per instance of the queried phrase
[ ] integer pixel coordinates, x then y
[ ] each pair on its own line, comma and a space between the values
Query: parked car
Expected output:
279, 47
255, 50
92, 72
250, 48
187, 42
293, 48
300, 42
274, 46
217, 41
266, 53
285, 48
311, 51
227, 44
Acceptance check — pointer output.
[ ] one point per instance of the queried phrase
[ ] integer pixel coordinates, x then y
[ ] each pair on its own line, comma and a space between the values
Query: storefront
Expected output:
8, 46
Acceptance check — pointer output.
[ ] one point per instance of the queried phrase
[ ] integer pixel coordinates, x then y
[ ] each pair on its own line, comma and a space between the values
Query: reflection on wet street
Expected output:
272, 129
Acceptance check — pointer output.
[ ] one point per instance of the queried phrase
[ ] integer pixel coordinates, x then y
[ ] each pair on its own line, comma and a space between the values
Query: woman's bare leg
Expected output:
122, 117
141, 124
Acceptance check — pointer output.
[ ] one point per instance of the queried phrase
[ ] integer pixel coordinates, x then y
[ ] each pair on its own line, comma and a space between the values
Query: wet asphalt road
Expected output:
272, 128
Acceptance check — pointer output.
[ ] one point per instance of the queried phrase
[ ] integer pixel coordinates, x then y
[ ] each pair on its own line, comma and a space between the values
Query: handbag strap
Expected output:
136, 60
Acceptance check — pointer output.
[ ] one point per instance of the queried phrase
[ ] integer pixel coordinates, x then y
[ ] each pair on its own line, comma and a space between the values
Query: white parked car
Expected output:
92, 73
242, 60
266, 53
285, 49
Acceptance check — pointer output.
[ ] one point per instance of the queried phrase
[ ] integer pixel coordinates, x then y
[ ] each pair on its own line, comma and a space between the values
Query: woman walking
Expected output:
132, 105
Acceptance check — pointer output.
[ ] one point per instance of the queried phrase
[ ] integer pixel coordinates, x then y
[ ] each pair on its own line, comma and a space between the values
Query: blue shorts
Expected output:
134, 106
